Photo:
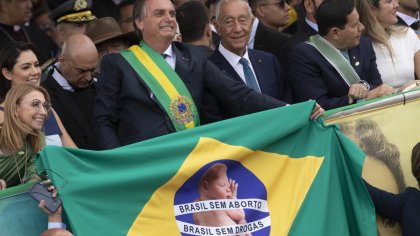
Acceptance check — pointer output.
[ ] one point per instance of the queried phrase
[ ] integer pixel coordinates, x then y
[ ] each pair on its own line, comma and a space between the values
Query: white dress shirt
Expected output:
233, 60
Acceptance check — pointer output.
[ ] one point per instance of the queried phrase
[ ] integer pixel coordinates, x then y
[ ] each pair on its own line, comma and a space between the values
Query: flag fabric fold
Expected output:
294, 177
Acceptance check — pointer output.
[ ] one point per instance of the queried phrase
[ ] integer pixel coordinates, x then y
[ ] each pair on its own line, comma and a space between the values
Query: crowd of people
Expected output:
103, 74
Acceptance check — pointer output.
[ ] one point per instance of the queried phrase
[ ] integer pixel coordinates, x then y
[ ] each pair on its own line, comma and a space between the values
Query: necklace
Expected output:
20, 154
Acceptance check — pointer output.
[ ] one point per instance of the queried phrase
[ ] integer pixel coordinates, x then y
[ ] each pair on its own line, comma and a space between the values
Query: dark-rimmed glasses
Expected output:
37, 104
280, 4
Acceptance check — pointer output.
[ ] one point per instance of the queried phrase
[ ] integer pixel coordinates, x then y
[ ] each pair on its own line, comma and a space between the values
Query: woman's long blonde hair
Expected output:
373, 29
12, 133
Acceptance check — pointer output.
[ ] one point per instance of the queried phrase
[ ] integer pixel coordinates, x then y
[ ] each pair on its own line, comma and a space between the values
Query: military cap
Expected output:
73, 11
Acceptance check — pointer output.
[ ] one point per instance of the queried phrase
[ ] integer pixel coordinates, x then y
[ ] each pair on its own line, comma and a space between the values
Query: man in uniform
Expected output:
71, 17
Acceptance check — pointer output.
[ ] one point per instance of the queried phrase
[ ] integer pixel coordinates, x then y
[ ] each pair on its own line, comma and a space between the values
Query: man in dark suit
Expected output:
408, 13
14, 18
70, 85
264, 38
129, 108
313, 76
307, 28
267, 71
272, 13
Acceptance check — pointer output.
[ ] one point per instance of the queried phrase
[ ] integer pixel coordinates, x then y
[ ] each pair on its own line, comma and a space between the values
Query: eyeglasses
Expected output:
280, 4
37, 104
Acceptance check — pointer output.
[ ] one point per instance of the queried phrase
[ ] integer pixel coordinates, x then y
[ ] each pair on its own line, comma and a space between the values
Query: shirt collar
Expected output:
231, 57
311, 24
169, 52
408, 19
60, 79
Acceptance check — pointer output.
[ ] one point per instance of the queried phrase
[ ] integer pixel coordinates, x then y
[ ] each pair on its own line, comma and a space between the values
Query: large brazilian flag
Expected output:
294, 177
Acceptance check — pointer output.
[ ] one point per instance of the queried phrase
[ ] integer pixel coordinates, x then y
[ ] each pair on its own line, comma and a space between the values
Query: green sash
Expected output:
336, 59
165, 84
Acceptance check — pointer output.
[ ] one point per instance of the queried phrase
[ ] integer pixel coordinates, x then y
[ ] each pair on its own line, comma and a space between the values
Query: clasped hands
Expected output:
360, 91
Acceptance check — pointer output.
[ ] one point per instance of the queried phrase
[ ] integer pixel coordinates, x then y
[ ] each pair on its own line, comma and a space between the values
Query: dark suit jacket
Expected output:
303, 34
126, 111
46, 47
269, 40
267, 69
313, 77
76, 119
403, 208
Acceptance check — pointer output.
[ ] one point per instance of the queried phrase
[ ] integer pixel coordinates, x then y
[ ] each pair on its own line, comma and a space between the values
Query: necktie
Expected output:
250, 79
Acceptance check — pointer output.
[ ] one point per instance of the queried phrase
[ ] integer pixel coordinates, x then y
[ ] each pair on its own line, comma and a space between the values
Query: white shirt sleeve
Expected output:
56, 225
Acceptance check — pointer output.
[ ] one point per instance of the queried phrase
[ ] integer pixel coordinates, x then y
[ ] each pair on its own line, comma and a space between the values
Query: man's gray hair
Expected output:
220, 3
139, 12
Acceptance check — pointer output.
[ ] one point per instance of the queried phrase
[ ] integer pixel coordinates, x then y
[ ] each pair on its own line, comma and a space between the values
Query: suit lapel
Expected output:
182, 64
259, 36
355, 61
220, 61
257, 65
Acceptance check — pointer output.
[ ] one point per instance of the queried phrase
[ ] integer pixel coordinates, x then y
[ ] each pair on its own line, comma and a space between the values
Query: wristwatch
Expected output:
366, 84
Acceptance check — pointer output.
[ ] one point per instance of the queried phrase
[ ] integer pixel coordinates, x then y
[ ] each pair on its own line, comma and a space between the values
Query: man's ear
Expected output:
216, 26
61, 58
207, 30
139, 24
309, 6
6, 73
335, 33
259, 12
252, 20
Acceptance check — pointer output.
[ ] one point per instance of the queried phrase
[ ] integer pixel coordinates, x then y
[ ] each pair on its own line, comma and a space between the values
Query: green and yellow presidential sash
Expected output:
165, 84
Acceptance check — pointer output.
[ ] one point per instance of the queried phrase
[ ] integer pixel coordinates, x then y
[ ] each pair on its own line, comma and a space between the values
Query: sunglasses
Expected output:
280, 4
37, 104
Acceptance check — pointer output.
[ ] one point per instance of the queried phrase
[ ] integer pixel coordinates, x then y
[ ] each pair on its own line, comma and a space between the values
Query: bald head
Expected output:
56, 232
78, 60
79, 45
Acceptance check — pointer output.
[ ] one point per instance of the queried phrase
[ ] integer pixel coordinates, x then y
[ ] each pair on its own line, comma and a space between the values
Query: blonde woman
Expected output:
397, 48
25, 111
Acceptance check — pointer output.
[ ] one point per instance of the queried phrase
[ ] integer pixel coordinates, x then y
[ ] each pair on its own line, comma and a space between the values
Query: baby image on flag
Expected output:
211, 202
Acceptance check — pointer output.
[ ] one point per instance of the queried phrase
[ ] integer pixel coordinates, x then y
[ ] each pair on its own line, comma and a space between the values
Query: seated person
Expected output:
405, 207
397, 47
20, 65
26, 109
108, 37
336, 67
214, 184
